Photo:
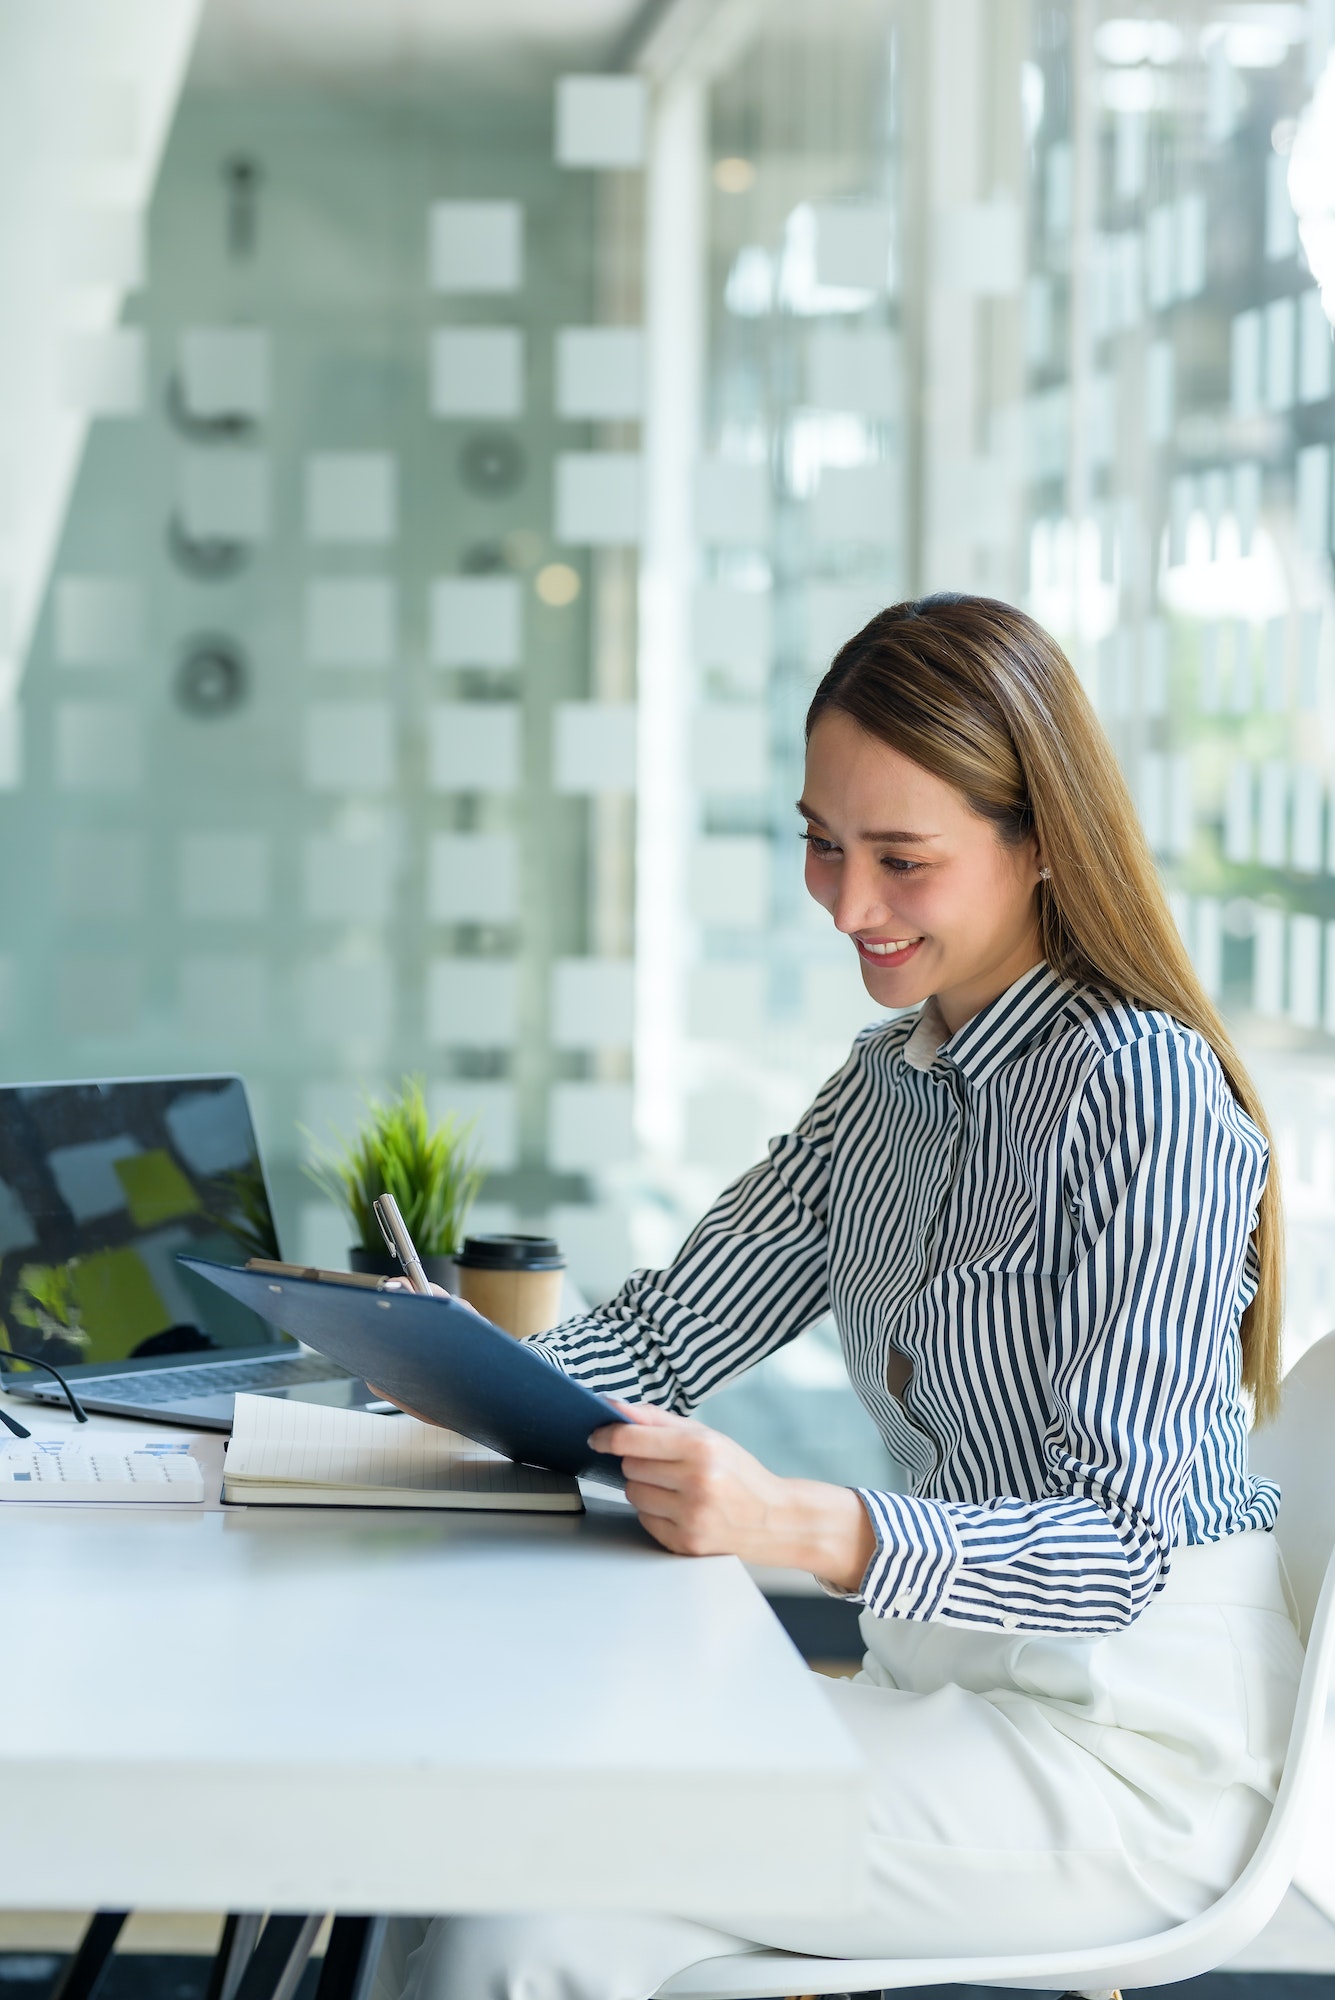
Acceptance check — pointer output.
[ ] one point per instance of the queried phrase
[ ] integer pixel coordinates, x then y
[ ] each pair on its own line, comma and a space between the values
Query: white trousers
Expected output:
1028, 1792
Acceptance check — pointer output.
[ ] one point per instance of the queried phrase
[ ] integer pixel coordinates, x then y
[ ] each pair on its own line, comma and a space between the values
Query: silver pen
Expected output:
399, 1242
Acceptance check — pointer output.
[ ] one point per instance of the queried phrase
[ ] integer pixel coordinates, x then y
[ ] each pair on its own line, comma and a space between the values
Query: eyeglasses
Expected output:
12, 1423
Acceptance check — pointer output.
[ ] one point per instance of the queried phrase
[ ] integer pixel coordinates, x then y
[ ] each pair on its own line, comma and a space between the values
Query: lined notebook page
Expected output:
279, 1443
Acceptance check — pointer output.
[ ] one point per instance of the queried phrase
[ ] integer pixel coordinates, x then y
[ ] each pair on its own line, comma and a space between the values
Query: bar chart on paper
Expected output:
101, 1470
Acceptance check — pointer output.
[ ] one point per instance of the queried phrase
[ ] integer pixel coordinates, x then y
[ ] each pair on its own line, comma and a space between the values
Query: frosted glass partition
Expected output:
328, 726
226, 371
351, 621
796, 494
477, 371
98, 621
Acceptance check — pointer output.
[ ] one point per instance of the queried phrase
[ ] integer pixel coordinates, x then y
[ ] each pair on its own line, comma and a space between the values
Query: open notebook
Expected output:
310, 1455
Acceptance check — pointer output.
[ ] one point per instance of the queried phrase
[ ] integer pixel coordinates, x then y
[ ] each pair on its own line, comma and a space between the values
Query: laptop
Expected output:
102, 1185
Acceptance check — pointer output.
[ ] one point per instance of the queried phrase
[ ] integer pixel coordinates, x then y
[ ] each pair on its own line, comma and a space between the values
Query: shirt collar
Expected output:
994, 1034
929, 1036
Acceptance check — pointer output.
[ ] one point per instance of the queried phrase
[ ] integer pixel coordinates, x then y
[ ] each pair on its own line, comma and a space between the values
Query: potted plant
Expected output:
429, 1166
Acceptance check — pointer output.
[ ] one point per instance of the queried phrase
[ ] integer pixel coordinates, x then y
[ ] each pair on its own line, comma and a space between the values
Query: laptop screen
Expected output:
101, 1184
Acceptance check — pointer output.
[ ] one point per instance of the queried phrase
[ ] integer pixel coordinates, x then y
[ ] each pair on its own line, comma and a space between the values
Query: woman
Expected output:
1040, 1211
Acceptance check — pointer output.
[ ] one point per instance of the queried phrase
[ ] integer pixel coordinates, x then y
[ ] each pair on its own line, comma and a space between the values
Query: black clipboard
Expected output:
441, 1359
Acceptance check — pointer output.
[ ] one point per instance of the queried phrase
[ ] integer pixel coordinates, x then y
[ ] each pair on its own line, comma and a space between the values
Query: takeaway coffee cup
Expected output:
514, 1281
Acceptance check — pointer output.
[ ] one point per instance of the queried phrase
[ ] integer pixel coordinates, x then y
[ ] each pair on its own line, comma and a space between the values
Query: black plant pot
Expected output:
379, 1264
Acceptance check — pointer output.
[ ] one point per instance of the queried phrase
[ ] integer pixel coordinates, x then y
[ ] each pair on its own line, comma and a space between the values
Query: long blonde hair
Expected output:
978, 694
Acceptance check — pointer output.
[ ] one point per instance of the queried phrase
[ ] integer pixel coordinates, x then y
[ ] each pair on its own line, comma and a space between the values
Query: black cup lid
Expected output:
511, 1253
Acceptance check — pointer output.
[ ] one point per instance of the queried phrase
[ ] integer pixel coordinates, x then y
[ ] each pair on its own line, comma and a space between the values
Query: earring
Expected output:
1045, 874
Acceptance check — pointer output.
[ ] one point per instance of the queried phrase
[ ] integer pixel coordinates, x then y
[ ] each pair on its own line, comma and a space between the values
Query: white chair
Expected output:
1296, 1450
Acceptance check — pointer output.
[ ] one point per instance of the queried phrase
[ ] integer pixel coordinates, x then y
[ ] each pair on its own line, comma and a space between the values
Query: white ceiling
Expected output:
253, 40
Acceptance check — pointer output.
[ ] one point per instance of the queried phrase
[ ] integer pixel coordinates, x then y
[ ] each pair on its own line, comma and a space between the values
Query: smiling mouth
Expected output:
887, 951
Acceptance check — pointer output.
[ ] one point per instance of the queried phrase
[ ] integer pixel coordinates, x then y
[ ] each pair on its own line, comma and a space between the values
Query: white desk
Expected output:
331, 1710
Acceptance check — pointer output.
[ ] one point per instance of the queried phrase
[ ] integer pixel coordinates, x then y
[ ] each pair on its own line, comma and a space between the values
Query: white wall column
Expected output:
674, 326
87, 93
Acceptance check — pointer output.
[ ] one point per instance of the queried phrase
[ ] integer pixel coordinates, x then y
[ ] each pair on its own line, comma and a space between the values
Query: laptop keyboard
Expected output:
221, 1378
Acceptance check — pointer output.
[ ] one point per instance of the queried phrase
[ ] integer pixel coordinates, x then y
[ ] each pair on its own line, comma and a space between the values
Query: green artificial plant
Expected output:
429, 1166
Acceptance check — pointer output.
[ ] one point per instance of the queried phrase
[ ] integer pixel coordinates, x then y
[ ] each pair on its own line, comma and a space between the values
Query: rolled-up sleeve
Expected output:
1162, 1174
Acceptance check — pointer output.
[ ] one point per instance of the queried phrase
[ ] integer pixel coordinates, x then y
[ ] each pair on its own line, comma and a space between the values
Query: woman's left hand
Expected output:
701, 1494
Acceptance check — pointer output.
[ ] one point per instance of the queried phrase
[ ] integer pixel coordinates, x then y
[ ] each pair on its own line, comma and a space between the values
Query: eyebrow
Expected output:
893, 838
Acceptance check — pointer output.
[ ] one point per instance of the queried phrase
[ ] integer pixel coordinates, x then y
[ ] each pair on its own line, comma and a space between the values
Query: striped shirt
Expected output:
1048, 1216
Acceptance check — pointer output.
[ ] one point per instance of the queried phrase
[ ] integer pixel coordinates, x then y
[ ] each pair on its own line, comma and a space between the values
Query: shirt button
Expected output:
1009, 1621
